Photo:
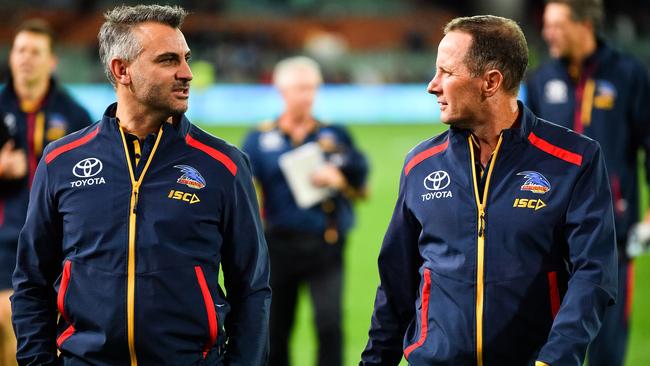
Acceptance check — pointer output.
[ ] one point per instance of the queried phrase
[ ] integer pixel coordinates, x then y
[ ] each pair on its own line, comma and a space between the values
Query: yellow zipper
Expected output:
130, 284
39, 132
480, 250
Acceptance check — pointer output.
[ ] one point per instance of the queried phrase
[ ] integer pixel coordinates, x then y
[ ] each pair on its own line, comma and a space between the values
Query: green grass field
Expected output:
386, 146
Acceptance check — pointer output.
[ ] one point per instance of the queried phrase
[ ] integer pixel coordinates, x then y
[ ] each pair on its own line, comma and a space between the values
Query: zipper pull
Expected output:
481, 225
135, 203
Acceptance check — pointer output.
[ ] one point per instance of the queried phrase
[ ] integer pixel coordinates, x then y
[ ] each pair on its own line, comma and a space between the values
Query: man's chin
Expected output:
556, 53
447, 121
179, 108
456, 123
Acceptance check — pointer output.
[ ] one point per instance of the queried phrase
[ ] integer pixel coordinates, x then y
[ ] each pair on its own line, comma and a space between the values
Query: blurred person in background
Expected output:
501, 249
35, 110
305, 244
131, 219
594, 89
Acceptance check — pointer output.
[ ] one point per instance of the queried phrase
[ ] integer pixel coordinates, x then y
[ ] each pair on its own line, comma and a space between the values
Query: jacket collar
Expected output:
179, 129
602, 52
8, 93
526, 122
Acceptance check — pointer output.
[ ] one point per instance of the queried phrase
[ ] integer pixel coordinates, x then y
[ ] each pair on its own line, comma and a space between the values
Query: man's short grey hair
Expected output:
284, 68
116, 37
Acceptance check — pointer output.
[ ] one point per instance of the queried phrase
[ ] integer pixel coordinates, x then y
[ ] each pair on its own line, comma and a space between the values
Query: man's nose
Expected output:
184, 72
434, 86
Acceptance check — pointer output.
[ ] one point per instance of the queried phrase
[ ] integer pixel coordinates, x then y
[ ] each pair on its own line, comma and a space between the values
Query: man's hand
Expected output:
13, 163
329, 176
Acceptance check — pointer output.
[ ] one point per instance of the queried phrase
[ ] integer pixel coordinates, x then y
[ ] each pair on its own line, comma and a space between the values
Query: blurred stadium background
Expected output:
377, 56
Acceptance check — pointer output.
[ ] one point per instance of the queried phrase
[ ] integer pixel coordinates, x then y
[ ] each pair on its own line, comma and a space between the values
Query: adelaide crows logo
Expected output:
535, 182
191, 177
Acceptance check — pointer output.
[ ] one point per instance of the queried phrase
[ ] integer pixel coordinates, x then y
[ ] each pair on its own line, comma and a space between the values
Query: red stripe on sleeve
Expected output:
420, 157
556, 151
214, 153
69, 146
554, 293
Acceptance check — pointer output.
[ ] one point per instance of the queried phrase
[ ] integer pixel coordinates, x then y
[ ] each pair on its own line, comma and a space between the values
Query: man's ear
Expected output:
492, 81
119, 69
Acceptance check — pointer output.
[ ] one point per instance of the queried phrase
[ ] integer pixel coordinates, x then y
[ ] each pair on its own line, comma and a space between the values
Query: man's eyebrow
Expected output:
165, 55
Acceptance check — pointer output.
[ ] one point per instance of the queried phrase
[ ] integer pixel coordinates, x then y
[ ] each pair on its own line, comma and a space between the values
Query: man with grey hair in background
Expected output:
306, 240
131, 219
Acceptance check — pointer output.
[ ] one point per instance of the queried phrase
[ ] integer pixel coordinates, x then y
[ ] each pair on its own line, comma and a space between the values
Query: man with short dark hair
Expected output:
34, 110
596, 90
501, 247
131, 219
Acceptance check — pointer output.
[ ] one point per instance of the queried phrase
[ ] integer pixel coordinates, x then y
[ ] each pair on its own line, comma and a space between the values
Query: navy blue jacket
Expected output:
132, 265
57, 116
519, 271
266, 144
609, 102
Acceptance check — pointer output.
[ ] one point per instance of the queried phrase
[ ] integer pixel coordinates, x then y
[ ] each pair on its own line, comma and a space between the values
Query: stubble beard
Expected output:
159, 98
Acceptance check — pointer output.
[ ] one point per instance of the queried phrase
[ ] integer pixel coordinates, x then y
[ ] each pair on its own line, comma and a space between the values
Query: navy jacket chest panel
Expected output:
95, 211
446, 211
270, 173
279, 204
524, 230
93, 204
179, 224
59, 115
518, 239
562, 113
603, 121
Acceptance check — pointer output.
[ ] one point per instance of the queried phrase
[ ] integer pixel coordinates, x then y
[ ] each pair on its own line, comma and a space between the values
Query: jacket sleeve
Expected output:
592, 286
249, 146
37, 268
639, 113
353, 162
399, 262
82, 119
74, 111
246, 274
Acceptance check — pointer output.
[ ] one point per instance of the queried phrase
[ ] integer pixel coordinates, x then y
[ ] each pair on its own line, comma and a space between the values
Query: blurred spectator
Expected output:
35, 111
305, 243
605, 94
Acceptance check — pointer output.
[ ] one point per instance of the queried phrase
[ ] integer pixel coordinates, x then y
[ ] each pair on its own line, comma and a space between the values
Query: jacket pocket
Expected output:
60, 303
210, 310
424, 315
554, 293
